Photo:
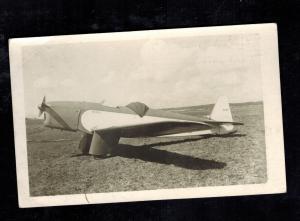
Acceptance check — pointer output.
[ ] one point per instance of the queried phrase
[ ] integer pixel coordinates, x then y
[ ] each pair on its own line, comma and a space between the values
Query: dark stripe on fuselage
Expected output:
161, 128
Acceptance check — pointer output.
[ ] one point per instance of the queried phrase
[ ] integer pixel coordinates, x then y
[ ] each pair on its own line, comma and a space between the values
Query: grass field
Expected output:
56, 166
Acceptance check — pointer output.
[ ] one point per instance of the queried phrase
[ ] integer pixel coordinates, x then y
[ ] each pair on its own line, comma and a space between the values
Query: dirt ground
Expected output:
56, 166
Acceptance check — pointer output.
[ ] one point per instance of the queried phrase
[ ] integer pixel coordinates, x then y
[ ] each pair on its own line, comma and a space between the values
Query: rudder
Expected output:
221, 110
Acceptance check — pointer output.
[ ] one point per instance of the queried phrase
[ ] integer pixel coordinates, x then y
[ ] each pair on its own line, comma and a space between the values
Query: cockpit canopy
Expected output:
139, 108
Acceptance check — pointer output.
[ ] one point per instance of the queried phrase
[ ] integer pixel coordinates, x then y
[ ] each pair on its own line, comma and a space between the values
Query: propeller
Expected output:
42, 107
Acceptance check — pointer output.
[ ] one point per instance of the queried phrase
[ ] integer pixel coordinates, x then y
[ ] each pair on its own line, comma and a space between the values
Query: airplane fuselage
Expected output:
88, 117
103, 126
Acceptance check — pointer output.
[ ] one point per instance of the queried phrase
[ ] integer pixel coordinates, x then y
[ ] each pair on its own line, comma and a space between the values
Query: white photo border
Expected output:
276, 179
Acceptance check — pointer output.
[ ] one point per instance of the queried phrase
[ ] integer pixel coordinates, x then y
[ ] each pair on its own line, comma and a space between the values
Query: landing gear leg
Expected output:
103, 144
99, 145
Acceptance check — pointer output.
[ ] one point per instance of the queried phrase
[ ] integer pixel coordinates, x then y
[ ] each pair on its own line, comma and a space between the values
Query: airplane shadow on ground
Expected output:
166, 143
150, 154
147, 153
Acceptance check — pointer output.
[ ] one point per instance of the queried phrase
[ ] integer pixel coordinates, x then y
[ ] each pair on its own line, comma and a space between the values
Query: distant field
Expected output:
56, 167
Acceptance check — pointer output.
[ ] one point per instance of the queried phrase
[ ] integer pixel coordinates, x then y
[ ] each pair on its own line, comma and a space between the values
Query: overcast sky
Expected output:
171, 72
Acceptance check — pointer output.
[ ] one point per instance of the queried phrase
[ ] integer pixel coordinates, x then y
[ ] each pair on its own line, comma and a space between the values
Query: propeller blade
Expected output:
44, 100
42, 106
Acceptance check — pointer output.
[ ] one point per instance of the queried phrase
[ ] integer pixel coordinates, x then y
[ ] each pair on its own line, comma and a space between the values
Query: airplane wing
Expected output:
151, 122
156, 129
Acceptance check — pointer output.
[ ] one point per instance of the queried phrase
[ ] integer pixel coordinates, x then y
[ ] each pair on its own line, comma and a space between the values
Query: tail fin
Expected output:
221, 110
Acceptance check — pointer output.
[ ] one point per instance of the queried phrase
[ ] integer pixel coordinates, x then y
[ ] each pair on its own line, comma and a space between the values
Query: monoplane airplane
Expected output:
103, 126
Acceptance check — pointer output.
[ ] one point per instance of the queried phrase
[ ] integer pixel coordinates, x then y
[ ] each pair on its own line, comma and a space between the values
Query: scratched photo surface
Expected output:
181, 75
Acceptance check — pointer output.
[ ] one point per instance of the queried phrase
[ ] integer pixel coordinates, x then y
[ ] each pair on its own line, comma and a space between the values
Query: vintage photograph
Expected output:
147, 115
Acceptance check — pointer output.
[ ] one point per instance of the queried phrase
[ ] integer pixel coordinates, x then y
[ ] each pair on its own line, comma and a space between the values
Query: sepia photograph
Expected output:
147, 115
